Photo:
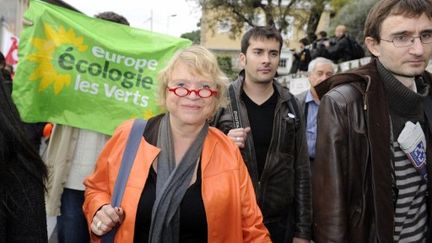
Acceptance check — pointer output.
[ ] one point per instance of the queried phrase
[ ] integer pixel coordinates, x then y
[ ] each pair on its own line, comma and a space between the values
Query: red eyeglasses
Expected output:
203, 92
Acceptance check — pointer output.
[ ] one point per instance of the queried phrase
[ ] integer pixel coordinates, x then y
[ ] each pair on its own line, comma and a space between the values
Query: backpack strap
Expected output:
129, 155
235, 108
294, 111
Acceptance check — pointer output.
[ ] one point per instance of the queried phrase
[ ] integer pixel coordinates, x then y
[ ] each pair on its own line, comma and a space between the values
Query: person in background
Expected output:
70, 157
270, 132
320, 45
319, 69
372, 172
10, 69
2, 63
33, 131
22, 177
341, 50
4, 69
302, 57
6, 78
182, 168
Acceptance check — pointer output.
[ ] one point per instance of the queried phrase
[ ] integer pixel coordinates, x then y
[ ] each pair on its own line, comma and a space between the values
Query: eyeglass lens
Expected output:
182, 91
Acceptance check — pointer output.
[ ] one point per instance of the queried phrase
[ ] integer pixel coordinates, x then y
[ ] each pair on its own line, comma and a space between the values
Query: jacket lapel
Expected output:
378, 122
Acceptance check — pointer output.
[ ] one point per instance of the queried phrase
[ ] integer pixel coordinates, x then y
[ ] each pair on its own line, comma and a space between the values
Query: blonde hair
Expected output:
200, 61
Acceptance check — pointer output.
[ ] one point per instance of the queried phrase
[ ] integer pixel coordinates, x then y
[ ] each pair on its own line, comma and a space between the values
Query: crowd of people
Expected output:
348, 160
339, 48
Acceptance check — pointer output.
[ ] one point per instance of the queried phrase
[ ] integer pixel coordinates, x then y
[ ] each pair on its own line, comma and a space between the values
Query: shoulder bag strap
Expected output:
129, 155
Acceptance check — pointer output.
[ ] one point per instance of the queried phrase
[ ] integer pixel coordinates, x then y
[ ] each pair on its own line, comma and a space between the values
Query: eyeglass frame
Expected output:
411, 40
196, 91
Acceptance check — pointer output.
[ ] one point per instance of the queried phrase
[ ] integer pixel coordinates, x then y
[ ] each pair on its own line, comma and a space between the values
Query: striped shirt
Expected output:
410, 211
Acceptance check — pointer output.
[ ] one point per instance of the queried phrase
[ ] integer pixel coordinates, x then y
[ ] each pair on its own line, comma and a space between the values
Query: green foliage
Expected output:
194, 36
241, 13
353, 15
225, 64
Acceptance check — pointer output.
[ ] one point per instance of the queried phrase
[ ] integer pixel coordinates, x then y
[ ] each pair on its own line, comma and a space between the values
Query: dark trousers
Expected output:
71, 224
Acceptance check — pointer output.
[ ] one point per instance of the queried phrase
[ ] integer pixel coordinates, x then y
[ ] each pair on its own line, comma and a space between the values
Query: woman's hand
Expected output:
106, 218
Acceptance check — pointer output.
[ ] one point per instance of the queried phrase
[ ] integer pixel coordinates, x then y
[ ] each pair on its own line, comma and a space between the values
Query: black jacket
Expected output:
22, 207
22, 203
352, 181
319, 49
283, 191
341, 51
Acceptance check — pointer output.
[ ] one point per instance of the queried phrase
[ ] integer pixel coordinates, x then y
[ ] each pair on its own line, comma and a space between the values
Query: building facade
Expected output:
11, 14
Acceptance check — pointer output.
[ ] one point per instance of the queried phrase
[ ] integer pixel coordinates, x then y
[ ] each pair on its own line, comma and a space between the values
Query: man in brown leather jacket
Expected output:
367, 187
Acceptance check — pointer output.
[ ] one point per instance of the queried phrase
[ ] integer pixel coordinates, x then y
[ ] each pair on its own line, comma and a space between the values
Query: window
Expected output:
224, 26
282, 62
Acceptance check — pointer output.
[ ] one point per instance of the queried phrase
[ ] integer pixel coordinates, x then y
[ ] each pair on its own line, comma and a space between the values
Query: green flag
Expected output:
86, 72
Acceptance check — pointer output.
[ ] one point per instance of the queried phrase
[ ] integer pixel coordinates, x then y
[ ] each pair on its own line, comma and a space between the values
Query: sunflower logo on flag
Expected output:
55, 41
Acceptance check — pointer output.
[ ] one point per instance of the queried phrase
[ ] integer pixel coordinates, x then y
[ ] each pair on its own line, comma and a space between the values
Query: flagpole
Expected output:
151, 20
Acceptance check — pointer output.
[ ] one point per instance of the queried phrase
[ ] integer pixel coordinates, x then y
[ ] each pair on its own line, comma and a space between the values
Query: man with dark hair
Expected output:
70, 157
372, 172
264, 121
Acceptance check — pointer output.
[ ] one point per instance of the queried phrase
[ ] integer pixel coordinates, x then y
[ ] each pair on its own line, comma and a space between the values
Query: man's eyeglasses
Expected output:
203, 92
406, 40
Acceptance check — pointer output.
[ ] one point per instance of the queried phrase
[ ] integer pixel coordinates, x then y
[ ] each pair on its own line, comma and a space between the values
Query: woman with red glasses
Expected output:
188, 182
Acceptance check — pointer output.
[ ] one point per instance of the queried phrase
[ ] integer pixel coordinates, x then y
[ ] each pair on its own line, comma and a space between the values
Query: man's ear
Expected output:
242, 58
373, 46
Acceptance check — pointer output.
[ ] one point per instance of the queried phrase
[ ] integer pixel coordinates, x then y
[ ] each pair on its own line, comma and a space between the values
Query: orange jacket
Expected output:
229, 199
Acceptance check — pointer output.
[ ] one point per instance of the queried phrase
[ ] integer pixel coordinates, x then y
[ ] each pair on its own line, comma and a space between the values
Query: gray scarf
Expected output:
172, 183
